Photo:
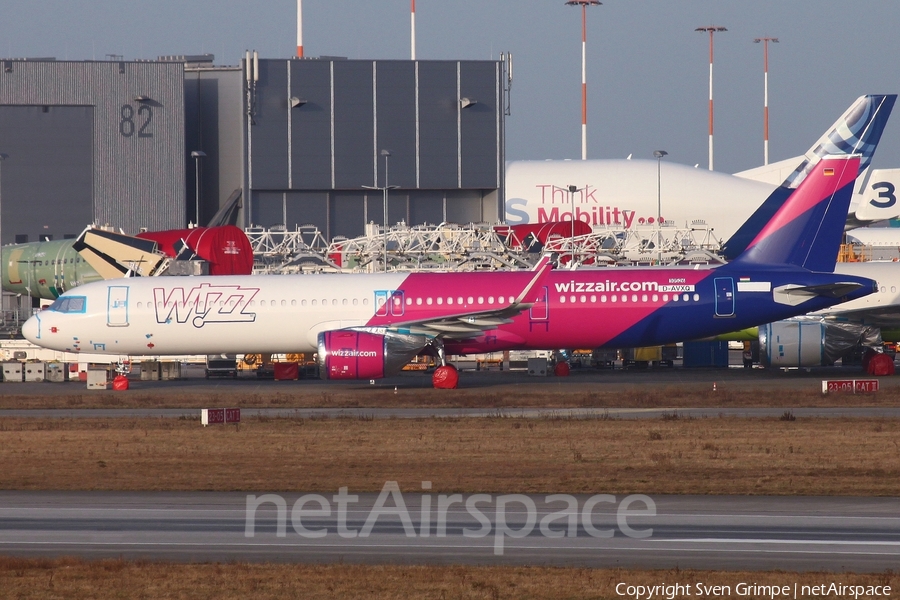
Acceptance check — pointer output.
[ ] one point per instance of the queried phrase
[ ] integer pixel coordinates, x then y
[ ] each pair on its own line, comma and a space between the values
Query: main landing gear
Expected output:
445, 377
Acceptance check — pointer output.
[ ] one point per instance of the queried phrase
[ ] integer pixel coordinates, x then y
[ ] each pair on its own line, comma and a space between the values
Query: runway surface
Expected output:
709, 532
425, 413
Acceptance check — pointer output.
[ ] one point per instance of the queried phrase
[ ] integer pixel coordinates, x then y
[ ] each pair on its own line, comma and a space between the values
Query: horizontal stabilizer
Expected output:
793, 295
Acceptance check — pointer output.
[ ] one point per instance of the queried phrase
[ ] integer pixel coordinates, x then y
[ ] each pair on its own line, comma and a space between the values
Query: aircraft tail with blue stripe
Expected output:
856, 132
806, 230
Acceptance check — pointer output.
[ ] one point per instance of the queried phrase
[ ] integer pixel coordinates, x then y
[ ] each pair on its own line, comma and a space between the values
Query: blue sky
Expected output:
647, 67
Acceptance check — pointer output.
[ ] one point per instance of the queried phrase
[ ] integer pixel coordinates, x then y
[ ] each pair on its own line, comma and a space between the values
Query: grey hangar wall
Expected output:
316, 129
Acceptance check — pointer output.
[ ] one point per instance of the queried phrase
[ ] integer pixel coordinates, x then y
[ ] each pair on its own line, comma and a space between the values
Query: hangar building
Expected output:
313, 134
90, 142
297, 140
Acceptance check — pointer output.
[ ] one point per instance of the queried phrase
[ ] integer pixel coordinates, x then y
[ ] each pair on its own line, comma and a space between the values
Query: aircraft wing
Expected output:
466, 324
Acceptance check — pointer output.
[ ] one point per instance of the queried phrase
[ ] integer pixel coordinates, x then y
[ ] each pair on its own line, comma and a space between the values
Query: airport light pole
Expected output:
197, 155
765, 41
572, 191
583, 4
412, 30
659, 154
711, 29
299, 28
386, 154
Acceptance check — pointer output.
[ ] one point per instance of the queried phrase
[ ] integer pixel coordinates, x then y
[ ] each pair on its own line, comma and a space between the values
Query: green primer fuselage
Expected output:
44, 269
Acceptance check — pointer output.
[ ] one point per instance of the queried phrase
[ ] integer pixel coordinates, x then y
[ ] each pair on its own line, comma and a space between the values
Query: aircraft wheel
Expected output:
445, 378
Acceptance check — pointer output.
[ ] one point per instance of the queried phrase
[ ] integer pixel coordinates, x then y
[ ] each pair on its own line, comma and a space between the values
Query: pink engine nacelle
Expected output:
360, 354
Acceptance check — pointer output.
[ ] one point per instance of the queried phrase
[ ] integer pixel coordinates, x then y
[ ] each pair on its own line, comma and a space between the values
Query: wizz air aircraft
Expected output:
367, 326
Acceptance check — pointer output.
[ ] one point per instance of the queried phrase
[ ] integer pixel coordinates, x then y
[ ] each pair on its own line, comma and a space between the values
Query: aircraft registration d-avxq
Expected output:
367, 326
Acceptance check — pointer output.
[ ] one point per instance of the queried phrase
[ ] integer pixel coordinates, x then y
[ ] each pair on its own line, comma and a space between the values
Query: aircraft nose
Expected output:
31, 330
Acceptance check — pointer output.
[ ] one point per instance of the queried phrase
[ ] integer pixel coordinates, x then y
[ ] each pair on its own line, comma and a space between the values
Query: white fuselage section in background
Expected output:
623, 194
620, 195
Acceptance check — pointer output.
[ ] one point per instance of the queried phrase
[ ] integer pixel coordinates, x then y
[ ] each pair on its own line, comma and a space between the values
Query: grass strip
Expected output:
562, 393
50, 579
673, 455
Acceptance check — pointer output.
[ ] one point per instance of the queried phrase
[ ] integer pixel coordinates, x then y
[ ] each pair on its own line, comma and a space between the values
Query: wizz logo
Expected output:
204, 304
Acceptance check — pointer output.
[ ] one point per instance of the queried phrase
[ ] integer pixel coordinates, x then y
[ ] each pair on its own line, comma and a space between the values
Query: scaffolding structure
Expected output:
473, 247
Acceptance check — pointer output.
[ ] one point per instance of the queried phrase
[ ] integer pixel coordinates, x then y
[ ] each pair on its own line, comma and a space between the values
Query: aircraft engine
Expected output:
361, 354
812, 342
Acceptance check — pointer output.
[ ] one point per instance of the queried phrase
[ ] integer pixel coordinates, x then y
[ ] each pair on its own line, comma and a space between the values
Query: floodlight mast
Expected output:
299, 28
583, 4
765, 41
412, 30
711, 29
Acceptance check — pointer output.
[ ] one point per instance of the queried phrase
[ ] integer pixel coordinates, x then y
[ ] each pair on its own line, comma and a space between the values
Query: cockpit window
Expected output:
69, 304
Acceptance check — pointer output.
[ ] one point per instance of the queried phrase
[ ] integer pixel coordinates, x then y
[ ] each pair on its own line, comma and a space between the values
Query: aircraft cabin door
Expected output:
539, 313
117, 306
724, 296
389, 302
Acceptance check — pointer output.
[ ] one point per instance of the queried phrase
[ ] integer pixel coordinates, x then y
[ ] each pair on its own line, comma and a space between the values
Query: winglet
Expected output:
806, 231
540, 271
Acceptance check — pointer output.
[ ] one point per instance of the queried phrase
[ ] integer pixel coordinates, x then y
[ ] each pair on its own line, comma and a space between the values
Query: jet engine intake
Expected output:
361, 354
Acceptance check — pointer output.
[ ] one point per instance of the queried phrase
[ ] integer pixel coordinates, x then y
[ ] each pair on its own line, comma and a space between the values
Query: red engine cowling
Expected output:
360, 354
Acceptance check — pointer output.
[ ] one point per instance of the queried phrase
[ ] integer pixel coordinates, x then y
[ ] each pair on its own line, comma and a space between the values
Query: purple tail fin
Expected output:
806, 231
